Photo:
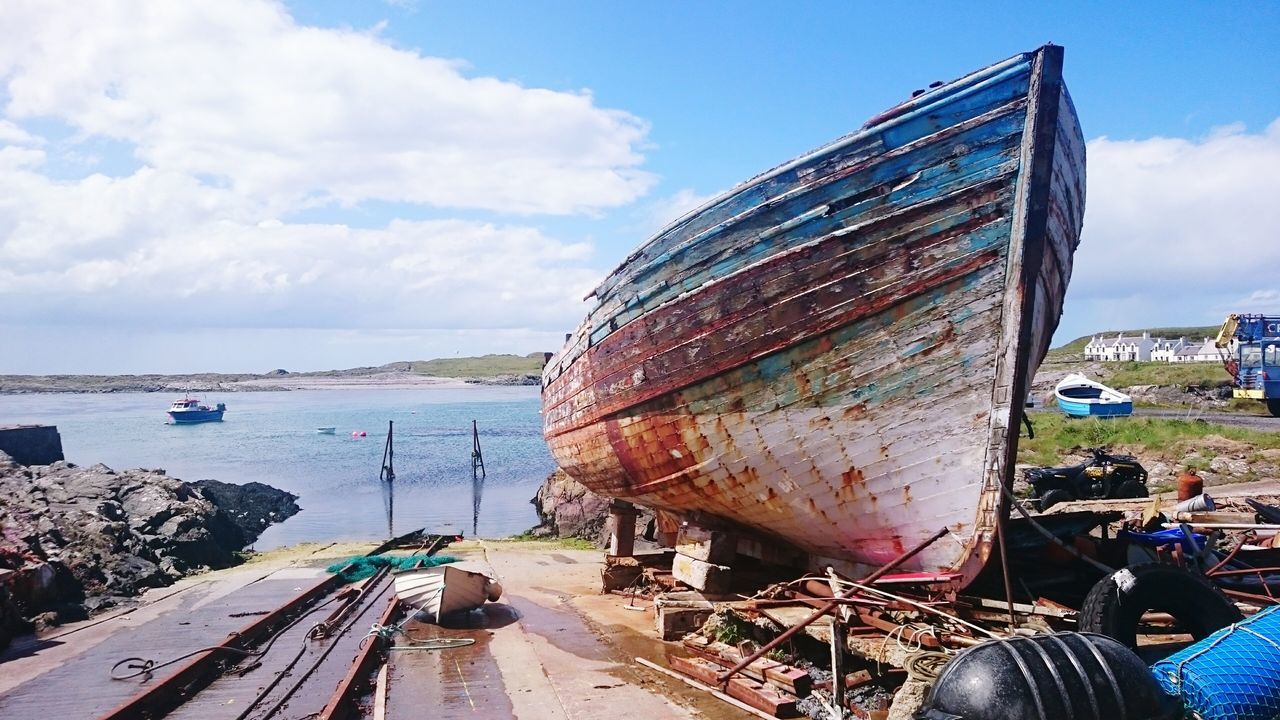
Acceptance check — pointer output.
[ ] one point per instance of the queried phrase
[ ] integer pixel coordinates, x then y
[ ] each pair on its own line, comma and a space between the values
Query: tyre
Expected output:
1132, 489
1273, 406
1117, 603
1053, 497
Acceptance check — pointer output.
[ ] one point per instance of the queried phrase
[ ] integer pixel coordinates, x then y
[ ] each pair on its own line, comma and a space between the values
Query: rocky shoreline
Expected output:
567, 509
76, 540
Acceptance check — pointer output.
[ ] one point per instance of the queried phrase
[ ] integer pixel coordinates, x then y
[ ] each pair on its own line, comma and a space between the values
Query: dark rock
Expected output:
566, 508
252, 507
68, 532
45, 620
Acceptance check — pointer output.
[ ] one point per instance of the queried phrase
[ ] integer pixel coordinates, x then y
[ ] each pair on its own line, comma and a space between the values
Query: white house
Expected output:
1120, 348
1101, 348
1203, 351
1165, 350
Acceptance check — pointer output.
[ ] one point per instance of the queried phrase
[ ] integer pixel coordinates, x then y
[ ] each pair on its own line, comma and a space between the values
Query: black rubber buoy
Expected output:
1076, 676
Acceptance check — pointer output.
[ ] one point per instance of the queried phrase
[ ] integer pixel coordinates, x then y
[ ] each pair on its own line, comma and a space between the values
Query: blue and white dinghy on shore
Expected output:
1078, 396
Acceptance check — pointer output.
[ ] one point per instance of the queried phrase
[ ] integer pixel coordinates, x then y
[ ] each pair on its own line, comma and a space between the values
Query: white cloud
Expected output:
237, 120
11, 133
235, 89
1192, 216
1258, 301
140, 252
1177, 232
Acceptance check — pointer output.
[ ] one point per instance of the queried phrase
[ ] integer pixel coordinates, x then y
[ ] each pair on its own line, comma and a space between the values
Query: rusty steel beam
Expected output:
343, 701
831, 605
173, 690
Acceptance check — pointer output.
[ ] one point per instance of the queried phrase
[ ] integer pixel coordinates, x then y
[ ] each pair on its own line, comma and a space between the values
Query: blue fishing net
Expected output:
363, 566
1234, 674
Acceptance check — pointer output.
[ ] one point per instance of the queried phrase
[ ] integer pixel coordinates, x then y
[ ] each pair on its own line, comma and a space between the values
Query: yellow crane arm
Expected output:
1227, 332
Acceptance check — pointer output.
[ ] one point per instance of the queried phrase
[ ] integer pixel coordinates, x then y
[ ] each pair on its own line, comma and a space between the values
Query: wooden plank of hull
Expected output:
832, 353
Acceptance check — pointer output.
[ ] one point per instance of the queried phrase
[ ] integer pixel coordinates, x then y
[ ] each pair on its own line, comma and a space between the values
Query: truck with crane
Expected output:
1250, 349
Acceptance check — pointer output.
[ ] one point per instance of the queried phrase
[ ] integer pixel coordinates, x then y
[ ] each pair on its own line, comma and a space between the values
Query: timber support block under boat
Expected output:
622, 528
719, 547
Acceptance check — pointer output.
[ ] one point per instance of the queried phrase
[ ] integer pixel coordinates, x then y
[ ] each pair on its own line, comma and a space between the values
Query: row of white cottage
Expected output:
1147, 348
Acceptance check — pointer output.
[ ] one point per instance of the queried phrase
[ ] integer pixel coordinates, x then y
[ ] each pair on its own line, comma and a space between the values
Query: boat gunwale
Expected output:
951, 91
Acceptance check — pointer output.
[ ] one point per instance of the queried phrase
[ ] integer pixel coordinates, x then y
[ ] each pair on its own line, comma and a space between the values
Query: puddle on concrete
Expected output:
461, 682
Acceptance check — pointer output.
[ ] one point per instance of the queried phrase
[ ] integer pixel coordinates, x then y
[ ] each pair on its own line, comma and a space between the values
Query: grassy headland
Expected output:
489, 369
486, 366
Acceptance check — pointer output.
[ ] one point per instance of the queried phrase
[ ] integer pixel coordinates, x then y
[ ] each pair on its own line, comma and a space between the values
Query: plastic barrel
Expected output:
1234, 673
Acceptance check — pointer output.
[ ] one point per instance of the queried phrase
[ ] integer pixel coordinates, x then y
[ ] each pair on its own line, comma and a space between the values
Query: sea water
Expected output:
271, 437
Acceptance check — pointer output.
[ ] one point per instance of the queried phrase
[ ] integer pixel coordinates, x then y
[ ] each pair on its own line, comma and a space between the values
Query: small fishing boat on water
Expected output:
189, 411
1078, 396
835, 353
327, 430
444, 589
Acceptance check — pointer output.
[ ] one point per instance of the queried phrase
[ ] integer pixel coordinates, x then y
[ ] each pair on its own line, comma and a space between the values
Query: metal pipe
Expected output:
830, 605
1001, 523
1230, 556
1245, 571
1263, 599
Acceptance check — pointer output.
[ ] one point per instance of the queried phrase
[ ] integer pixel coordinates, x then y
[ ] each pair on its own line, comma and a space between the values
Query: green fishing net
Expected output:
363, 566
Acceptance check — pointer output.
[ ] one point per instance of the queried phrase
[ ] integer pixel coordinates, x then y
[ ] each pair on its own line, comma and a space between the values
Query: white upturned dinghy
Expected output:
444, 589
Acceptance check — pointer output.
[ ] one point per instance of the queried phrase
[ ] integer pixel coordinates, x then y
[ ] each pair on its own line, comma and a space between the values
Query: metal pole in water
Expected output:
388, 476
477, 477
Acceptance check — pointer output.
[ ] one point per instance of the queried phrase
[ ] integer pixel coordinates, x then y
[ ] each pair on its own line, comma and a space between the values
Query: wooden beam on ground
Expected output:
792, 679
756, 694
380, 694
703, 687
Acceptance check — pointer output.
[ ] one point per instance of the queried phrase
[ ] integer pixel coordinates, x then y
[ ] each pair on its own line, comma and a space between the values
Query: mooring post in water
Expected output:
477, 477
388, 476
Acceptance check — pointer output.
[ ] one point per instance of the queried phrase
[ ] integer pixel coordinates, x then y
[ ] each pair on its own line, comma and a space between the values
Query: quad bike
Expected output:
1103, 475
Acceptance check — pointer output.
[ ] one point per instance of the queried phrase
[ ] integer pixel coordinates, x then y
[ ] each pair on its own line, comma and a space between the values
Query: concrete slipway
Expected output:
551, 648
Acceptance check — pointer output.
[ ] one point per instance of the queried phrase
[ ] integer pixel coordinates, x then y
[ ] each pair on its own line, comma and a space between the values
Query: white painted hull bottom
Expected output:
440, 591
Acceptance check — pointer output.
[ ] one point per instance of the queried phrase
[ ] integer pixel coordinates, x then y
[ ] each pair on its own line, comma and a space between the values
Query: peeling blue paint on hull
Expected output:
830, 353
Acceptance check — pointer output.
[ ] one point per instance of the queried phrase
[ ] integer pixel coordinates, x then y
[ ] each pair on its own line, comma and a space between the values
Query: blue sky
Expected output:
245, 185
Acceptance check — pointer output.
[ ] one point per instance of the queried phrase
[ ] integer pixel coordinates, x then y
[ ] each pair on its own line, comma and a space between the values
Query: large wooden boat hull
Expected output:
835, 353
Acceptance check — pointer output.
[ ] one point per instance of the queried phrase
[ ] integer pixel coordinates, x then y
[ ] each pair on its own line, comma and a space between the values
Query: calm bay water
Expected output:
271, 437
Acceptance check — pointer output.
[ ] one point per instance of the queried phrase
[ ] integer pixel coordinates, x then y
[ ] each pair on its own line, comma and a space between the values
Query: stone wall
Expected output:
31, 444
